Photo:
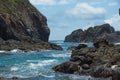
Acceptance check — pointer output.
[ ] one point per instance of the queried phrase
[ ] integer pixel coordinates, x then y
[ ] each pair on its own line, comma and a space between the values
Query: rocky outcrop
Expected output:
22, 26
26, 46
102, 60
19, 20
92, 34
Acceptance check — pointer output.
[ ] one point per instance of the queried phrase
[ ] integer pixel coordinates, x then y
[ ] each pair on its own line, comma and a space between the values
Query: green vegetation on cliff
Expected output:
8, 6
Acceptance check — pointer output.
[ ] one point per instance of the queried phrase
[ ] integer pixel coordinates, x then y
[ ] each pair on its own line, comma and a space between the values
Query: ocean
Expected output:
38, 65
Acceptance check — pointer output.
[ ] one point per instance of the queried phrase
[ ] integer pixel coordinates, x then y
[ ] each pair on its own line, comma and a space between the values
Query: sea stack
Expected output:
92, 34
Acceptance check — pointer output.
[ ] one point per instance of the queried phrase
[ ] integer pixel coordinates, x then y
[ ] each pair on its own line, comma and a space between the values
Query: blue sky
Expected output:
64, 16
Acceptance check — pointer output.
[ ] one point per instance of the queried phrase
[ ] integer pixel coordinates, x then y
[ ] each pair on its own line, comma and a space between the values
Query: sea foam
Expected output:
40, 63
14, 68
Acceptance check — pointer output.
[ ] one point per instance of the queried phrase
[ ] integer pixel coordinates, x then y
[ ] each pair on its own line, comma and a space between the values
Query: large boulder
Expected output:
92, 34
74, 36
68, 67
102, 43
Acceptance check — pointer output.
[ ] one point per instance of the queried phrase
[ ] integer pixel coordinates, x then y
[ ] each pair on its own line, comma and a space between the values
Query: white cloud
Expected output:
97, 2
86, 11
63, 2
112, 3
50, 2
114, 21
43, 2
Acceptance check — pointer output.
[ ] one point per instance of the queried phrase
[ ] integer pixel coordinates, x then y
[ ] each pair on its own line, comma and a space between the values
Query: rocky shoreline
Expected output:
102, 61
28, 46
42, 77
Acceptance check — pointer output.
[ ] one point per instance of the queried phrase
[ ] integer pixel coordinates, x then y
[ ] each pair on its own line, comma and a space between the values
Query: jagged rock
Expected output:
74, 36
85, 66
25, 46
81, 46
102, 43
68, 67
107, 72
92, 34
102, 72
71, 48
78, 47
23, 26
102, 60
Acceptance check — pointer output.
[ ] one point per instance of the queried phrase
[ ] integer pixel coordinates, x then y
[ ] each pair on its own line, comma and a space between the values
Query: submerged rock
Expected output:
92, 34
102, 60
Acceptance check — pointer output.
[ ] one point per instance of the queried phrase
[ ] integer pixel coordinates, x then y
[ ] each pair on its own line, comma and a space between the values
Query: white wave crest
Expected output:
62, 55
2, 51
14, 68
16, 50
41, 63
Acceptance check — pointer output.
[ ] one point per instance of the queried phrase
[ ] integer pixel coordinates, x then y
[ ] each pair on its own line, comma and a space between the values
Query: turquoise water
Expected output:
33, 64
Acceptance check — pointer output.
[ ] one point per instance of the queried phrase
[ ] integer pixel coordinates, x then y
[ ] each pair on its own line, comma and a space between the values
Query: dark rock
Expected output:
102, 72
116, 73
81, 46
76, 58
101, 61
55, 47
101, 43
85, 66
2, 78
107, 72
71, 48
14, 78
74, 36
93, 34
68, 67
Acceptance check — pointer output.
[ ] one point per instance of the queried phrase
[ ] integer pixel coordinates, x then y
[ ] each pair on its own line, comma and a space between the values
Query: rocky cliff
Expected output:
92, 34
21, 26
19, 20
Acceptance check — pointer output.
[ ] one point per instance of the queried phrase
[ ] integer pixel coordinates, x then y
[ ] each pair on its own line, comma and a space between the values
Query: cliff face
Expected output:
22, 27
93, 34
20, 21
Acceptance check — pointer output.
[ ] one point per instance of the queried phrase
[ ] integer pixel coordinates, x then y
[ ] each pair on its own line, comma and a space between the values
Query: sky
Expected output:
65, 16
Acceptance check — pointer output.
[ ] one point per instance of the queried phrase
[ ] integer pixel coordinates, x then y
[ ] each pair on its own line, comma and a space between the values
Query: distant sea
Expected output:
38, 65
